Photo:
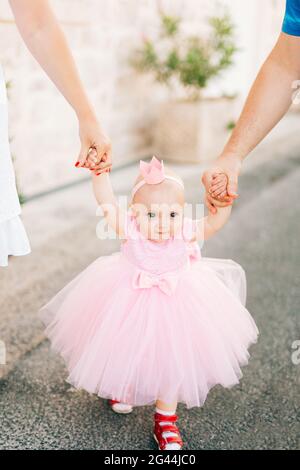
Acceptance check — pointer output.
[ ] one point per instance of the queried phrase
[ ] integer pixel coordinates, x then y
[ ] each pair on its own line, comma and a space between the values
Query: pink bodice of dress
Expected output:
159, 257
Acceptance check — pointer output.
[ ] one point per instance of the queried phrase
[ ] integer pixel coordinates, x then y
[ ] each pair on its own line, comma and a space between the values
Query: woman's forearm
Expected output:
45, 39
269, 98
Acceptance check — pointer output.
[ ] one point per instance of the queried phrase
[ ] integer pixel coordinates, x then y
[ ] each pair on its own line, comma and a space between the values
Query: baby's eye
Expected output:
173, 214
151, 215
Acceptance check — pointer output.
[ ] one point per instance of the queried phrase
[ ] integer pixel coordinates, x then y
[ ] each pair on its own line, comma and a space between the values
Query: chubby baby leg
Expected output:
166, 433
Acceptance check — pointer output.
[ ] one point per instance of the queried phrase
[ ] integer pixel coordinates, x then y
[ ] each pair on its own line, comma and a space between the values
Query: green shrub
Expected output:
192, 60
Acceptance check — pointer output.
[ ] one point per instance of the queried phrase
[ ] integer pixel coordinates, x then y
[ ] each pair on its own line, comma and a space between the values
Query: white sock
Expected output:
173, 445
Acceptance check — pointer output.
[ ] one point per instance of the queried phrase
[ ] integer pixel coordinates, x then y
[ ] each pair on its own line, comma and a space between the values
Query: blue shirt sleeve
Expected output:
291, 21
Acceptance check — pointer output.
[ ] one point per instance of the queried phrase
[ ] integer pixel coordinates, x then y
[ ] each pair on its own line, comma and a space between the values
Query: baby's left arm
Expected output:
104, 194
211, 224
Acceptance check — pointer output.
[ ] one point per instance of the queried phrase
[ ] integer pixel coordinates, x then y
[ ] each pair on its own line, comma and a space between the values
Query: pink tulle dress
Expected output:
153, 321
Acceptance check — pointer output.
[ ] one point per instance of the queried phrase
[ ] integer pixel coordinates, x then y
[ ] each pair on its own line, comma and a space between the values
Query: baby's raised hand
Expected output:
218, 187
92, 162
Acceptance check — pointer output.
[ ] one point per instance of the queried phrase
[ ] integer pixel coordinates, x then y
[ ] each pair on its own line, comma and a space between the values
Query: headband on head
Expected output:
153, 173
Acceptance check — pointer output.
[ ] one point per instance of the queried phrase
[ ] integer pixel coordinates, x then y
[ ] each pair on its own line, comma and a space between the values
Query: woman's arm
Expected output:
269, 99
44, 38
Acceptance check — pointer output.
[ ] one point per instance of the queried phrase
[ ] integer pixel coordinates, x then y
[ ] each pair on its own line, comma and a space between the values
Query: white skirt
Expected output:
13, 237
13, 240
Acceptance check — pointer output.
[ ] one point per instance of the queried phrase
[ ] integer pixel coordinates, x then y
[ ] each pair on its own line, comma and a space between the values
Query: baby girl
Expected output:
154, 323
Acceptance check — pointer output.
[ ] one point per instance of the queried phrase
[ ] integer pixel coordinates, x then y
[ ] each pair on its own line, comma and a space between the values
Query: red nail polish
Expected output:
77, 163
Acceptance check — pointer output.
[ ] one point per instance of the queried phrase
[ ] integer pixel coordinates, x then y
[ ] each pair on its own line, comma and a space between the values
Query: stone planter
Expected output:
194, 132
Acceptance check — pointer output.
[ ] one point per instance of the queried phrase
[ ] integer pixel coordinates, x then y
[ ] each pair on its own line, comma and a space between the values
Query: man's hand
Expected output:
221, 182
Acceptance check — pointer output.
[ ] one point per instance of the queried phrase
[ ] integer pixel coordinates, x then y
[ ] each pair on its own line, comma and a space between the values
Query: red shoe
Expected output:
165, 441
118, 407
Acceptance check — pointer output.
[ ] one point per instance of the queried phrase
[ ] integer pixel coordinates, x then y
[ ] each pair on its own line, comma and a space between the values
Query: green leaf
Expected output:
170, 25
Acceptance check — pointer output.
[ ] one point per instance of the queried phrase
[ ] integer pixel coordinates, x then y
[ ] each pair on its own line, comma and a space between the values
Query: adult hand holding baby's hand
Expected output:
221, 182
92, 164
92, 137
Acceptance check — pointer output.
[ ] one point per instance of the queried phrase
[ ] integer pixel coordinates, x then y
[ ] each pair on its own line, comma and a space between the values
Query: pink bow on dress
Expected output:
194, 250
167, 282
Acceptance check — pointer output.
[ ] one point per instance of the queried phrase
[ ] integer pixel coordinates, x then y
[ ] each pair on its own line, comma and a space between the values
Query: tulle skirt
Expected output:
141, 345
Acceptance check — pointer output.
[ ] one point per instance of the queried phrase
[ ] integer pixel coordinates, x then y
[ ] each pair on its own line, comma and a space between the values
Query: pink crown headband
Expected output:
153, 173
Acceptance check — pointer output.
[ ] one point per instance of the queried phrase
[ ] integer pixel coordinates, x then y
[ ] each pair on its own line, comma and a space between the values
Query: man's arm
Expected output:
269, 99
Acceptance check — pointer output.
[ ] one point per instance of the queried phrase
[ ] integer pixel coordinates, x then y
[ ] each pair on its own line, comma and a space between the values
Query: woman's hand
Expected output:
91, 163
46, 41
93, 137
221, 182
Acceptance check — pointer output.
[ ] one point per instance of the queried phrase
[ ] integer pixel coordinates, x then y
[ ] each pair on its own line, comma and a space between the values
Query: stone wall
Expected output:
102, 35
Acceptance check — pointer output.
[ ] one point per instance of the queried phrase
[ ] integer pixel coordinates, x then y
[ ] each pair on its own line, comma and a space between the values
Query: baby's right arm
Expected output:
104, 194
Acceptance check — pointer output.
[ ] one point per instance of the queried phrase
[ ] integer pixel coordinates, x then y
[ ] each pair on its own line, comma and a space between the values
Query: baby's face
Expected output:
159, 210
